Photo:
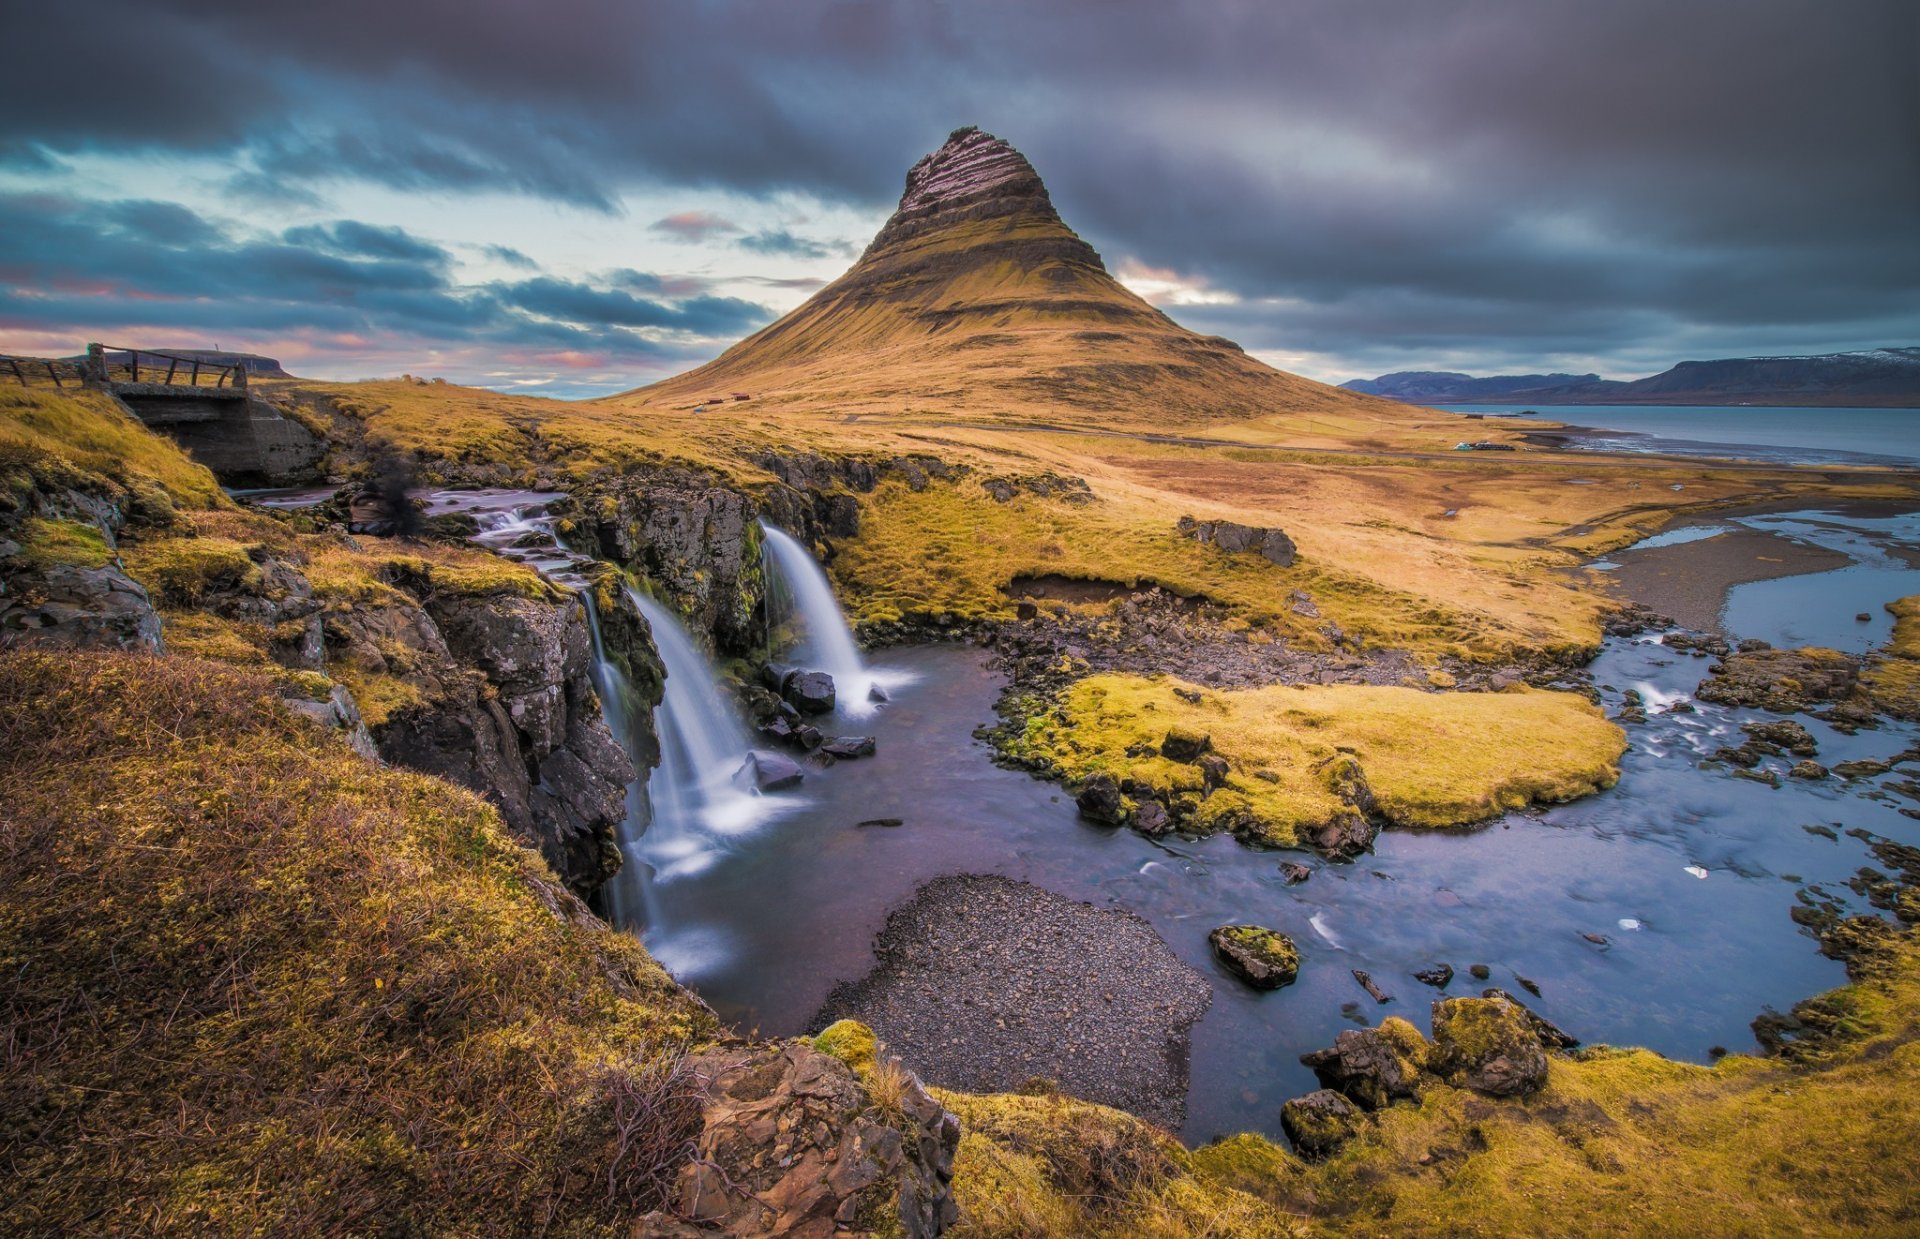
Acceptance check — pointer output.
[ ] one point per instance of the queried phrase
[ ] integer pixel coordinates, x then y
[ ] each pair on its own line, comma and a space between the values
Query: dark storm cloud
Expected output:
350, 236
1361, 170
88, 266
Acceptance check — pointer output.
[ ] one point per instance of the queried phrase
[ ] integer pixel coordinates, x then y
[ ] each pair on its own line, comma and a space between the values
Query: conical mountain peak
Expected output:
976, 297
975, 175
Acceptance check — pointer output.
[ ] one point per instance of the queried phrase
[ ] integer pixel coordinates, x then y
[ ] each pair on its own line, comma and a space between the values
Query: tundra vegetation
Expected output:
259, 981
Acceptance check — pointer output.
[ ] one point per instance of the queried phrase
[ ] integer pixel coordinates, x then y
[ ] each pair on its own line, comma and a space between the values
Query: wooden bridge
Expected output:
132, 371
204, 405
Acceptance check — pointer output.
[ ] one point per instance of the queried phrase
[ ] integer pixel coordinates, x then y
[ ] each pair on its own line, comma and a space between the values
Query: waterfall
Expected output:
629, 893
696, 797
828, 643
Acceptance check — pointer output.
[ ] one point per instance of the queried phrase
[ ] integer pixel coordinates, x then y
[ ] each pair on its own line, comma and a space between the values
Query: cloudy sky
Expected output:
577, 196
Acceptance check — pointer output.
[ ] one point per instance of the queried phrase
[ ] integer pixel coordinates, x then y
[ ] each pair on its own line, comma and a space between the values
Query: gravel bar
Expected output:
984, 983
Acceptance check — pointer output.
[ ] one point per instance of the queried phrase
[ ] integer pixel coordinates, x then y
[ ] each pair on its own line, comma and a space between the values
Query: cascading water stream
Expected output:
827, 644
697, 794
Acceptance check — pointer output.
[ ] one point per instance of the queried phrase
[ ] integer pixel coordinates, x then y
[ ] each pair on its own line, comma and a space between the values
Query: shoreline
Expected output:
1690, 582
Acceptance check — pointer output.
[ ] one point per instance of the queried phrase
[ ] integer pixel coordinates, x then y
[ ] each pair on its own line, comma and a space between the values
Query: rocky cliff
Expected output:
440, 659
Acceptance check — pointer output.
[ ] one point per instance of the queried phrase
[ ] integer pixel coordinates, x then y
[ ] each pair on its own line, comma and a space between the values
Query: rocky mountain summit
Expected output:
976, 297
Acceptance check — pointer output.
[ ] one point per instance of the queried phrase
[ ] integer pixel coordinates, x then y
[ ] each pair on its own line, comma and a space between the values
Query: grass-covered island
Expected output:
309, 817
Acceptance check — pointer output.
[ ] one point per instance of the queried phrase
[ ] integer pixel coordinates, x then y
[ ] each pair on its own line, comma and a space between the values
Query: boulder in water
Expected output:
1100, 800
847, 747
771, 772
877, 694
810, 692
1263, 958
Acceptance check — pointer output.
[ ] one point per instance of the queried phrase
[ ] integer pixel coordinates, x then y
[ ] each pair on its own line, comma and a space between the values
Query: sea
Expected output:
1774, 435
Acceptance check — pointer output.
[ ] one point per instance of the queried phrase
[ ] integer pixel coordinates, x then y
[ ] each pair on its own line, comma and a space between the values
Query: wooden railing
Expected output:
108, 362
111, 364
30, 370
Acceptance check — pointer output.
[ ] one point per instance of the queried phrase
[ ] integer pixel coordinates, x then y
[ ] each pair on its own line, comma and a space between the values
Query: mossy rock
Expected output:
1487, 1044
1319, 1123
1263, 958
850, 1041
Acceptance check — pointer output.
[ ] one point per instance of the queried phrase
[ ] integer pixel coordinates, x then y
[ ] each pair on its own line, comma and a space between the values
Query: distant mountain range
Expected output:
1882, 378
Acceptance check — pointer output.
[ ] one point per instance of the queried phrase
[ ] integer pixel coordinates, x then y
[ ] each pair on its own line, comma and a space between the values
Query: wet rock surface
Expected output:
984, 983
1781, 681
505, 705
1263, 958
1372, 1067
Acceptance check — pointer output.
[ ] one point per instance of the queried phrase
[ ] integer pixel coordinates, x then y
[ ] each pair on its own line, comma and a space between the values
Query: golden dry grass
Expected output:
257, 983
85, 430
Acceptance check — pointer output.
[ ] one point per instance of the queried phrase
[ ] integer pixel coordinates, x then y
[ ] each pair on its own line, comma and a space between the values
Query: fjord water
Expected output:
1780, 435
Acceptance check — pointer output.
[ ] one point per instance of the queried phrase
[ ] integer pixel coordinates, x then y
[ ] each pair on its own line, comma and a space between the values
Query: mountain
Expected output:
1882, 378
1428, 386
976, 299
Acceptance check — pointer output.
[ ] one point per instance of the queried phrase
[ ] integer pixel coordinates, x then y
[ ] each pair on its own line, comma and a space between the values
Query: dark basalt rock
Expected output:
1100, 800
770, 772
1438, 976
1780, 735
1781, 681
790, 1143
1319, 1123
810, 692
1368, 1067
1294, 872
75, 607
1185, 746
1271, 544
1807, 769
1263, 958
1150, 818
1374, 992
846, 748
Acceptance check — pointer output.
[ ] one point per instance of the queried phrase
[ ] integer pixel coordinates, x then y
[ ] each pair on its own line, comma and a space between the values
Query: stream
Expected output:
1686, 872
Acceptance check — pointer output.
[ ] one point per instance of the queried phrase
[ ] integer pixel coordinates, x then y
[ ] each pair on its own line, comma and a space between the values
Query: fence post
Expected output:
94, 369
240, 375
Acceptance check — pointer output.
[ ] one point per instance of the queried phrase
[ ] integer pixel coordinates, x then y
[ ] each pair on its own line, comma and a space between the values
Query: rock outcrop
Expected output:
791, 1144
1783, 681
61, 580
691, 533
496, 694
1270, 544
1372, 1067
1489, 1045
